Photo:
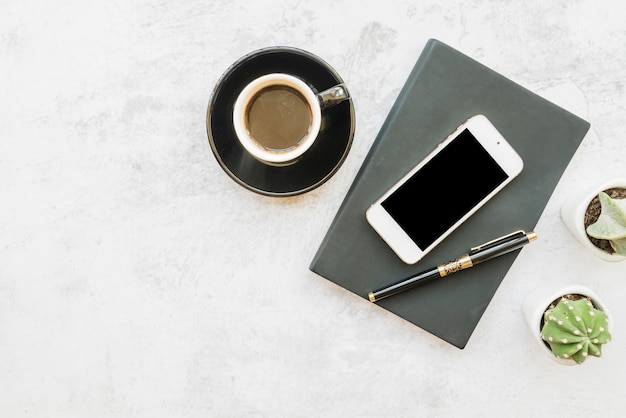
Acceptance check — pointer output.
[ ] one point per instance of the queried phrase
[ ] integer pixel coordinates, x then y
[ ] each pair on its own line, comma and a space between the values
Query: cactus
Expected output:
575, 329
611, 225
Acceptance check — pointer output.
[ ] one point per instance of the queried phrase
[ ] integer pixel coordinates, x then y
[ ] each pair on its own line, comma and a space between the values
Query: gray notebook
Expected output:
444, 89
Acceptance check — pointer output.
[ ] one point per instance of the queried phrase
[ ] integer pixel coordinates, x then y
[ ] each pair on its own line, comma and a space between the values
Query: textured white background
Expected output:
138, 280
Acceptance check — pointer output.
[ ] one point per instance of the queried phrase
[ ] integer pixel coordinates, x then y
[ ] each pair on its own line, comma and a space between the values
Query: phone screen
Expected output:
444, 189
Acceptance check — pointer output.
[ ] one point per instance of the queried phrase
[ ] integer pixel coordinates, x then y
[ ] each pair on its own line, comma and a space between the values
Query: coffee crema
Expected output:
278, 118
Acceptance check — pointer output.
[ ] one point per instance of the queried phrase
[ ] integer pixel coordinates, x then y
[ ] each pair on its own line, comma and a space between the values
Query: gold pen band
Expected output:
450, 267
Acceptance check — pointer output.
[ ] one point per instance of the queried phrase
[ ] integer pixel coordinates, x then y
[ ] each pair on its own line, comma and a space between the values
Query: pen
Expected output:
476, 255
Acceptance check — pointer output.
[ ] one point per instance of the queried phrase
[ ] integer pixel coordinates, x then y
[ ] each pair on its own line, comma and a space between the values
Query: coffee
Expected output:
278, 118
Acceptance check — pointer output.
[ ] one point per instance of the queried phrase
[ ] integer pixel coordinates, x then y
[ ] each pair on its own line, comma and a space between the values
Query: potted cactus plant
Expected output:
597, 217
571, 323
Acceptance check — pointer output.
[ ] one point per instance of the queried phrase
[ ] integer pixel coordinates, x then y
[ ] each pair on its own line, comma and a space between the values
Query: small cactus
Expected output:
611, 225
575, 329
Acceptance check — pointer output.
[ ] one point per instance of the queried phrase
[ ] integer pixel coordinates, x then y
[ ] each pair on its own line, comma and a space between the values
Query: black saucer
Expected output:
320, 162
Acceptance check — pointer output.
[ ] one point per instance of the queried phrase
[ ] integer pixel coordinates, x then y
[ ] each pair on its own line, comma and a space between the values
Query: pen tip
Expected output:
372, 297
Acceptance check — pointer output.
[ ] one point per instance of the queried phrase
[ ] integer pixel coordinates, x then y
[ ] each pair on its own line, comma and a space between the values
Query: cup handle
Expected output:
333, 96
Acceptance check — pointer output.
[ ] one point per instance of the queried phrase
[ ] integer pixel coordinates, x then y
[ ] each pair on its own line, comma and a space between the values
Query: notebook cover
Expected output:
443, 90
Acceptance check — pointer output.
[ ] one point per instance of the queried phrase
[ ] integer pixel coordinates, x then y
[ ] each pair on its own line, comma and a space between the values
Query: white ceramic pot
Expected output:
536, 303
573, 215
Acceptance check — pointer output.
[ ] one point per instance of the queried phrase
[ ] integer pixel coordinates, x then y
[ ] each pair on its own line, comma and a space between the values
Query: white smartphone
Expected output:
449, 185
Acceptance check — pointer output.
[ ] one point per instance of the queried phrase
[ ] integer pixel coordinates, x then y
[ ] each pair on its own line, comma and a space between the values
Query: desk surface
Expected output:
138, 279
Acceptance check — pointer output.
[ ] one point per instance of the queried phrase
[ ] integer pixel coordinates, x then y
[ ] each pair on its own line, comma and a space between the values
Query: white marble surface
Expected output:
137, 279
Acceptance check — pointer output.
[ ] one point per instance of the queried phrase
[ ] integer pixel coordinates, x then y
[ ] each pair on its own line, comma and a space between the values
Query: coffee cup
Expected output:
277, 117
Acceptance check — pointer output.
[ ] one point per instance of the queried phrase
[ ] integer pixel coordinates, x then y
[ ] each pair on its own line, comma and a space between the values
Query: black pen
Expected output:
476, 255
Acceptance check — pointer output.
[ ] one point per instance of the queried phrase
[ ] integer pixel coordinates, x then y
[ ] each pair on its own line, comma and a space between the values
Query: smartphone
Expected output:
449, 185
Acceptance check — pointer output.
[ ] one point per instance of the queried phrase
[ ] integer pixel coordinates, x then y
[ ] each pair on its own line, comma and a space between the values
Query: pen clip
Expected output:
497, 241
